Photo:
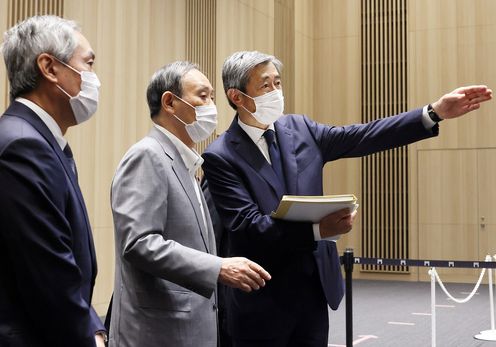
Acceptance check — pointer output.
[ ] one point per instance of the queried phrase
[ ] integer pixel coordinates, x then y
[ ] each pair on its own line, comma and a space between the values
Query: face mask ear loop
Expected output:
67, 65
251, 99
63, 91
248, 111
187, 103
179, 119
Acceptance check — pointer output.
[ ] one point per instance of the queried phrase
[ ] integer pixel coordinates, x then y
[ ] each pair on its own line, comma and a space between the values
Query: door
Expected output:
448, 210
486, 168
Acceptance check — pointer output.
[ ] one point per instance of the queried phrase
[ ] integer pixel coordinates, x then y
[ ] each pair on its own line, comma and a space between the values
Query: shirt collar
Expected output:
192, 160
47, 119
254, 133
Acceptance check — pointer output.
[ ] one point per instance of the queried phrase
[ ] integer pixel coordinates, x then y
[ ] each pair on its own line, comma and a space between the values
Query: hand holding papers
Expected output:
313, 208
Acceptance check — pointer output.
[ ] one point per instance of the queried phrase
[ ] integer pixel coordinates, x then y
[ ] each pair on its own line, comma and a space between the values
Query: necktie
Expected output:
70, 159
275, 155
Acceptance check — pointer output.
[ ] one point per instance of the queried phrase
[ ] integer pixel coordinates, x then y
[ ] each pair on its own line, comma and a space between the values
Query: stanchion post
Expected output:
348, 261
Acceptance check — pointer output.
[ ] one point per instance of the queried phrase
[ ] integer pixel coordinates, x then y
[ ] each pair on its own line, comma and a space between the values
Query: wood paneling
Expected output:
385, 221
452, 43
337, 92
284, 48
243, 25
304, 57
20, 10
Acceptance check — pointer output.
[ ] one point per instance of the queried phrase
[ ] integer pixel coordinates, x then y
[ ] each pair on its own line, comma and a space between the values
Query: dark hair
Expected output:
167, 78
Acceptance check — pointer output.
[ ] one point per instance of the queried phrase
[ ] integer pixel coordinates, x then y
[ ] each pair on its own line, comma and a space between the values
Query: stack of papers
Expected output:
313, 208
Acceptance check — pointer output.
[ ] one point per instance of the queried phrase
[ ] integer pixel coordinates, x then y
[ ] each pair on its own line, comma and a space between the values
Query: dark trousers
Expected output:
308, 322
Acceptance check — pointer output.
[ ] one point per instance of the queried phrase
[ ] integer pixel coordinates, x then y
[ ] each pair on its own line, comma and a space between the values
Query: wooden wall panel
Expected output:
337, 92
284, 48
244, 25
448, 209
385, 199
460, 41
304, 47
486, 218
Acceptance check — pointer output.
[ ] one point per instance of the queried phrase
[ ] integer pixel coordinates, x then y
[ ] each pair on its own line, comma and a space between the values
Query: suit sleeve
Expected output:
40, 244
248, 226
363, 139
139, 206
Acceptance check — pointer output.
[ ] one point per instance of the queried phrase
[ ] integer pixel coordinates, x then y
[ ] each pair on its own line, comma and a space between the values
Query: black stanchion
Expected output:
348, 260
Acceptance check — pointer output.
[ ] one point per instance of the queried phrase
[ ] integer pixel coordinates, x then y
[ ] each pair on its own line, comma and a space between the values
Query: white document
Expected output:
313, 208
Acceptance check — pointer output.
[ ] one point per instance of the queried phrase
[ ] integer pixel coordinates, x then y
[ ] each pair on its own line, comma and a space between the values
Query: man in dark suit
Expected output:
47, 256
264, 155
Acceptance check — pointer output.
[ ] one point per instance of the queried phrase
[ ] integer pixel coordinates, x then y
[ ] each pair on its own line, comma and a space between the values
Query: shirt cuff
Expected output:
316, 232
426, 120
104, 335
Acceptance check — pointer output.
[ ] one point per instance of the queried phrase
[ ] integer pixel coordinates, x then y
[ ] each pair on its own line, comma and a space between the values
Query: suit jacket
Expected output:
47, 257
166, 269
246, 190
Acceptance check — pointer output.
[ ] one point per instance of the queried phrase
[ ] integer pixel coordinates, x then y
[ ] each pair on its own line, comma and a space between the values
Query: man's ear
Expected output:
47, 67
166, 101
235, 96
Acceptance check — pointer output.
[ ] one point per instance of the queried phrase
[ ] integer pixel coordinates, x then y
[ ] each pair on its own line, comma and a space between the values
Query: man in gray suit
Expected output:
166, 268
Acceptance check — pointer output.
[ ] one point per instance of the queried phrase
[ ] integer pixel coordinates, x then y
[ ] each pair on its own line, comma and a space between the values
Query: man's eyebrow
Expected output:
266, 76
204, 87
90, 55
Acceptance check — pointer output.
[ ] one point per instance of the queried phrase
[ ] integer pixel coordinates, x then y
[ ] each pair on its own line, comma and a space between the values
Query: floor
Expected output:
398, 314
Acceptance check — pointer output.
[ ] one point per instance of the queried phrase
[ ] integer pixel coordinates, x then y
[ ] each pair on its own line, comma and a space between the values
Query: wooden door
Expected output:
448, 210
486, 168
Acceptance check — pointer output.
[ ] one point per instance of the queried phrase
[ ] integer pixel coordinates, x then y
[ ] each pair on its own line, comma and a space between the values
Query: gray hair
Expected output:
25, 41
237, 67
167, 78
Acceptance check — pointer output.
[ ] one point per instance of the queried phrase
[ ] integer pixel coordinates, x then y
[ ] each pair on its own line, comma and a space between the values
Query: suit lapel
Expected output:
285, 139
20, 110
183, 176
249, 152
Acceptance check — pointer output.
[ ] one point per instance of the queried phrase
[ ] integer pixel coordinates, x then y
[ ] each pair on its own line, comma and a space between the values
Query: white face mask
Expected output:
269, 106
205, 123
84, 104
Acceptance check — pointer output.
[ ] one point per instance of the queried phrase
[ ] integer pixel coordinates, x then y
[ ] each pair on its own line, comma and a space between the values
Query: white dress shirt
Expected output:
256, 135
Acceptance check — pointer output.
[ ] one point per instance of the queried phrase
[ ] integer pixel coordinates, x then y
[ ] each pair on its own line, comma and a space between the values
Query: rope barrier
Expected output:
460, 301
348, 261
